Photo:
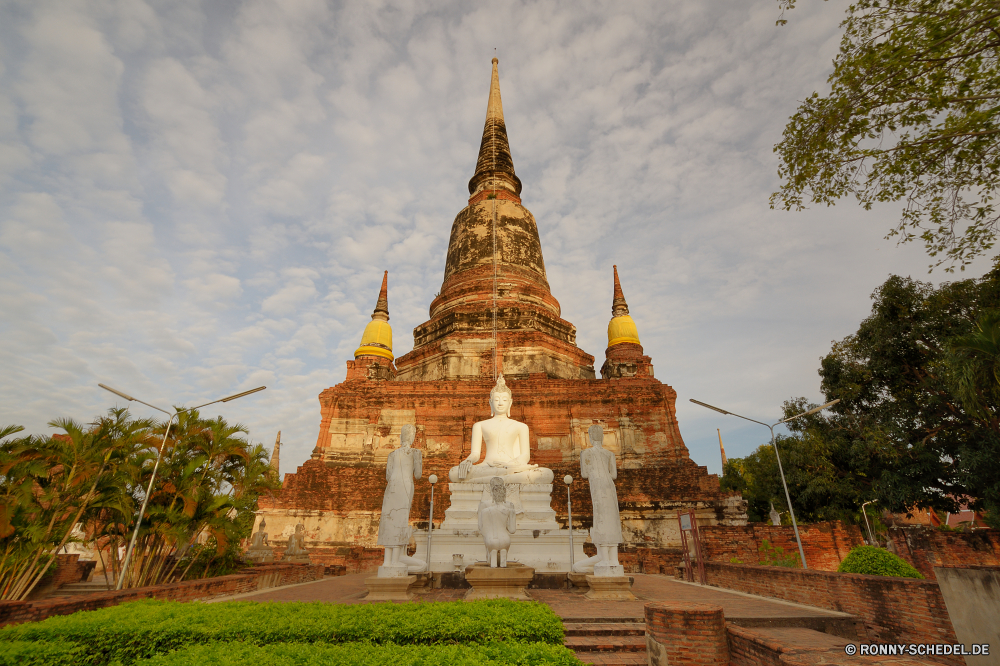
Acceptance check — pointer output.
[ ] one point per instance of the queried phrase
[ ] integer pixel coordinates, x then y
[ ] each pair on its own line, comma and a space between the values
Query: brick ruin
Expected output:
495, 314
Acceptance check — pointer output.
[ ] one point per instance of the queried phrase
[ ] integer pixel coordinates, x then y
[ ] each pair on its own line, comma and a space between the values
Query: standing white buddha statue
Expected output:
403, 466
507, 447
600, 468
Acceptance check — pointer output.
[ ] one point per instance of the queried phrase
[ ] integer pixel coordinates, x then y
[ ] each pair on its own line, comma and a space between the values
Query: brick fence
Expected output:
250, 580
825, 544
894, 610
753, 647
926, 548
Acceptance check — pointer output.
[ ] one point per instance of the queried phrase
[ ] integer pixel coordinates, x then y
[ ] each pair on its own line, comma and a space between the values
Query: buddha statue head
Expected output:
501, 398
406, 435
498, 490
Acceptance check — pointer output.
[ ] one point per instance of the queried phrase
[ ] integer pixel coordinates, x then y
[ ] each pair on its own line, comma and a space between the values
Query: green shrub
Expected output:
774, 556
34, 653
875, 561
146, 628
320, 654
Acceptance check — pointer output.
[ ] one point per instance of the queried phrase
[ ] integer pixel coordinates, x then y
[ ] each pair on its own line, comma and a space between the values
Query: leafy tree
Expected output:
917, 425
200, 507
974, 364
817, 484
909, 430
913, 115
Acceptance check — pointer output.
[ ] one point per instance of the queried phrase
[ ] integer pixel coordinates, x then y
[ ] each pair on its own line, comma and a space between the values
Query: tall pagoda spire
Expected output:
618, 307
276, 453
495, 166
495, 295
382, 305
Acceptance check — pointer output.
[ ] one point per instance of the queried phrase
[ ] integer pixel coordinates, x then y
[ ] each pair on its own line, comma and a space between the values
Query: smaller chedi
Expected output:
497, 521
296, 552
599, 466
260, 550
404, 465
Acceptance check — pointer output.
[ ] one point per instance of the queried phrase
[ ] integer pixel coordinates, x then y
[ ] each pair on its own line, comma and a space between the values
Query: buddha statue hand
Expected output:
463, 469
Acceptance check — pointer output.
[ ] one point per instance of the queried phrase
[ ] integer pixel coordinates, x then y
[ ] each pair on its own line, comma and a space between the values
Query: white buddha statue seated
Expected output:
507, 449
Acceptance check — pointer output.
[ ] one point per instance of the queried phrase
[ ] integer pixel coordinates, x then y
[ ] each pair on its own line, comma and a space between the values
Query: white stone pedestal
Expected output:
393, 588
537, 543
533, 503
259, 555
397, 571
613, 588
605, 570
508, 582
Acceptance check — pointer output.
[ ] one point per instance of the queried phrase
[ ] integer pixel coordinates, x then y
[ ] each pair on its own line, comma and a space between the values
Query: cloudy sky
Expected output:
197, 198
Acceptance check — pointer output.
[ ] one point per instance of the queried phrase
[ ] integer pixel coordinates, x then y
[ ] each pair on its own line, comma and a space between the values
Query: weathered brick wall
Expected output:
352, 559
825, 544
255, 578
927, 547
69, 569
337, 494
690, 634
894, 610
749, 647
646, 560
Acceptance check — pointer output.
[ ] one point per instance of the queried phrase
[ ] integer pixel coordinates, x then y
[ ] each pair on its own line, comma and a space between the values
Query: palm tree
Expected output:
974, 360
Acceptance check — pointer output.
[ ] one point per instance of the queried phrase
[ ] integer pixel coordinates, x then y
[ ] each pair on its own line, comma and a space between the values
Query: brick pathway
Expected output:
571, 605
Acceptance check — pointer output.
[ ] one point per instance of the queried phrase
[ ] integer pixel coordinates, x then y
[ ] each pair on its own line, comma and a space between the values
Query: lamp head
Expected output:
240, 395
117, 392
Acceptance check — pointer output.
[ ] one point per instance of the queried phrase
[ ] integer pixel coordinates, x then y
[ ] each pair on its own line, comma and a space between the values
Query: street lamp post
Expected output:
871, 537
791, 511
156, 465
569, 509
430, 521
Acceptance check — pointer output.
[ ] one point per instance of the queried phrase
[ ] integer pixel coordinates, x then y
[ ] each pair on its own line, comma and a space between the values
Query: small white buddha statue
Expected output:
497, 521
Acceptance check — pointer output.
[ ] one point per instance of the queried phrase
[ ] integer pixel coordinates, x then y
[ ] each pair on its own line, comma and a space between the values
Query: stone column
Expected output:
688, 634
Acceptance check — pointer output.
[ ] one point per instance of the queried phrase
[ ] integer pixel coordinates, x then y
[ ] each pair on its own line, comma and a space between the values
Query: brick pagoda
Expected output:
495, 313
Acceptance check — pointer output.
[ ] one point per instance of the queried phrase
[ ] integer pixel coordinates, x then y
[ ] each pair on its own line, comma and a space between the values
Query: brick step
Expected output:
613, 658
605, 628
604, 620
606, 643
74, 589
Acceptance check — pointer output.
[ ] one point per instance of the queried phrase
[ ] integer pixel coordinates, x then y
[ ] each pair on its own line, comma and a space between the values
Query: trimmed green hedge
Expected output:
318, 654
142, 629
874, 561
42, 653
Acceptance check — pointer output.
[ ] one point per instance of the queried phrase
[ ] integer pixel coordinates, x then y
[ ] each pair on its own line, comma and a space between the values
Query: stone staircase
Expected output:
75, 589
607, 640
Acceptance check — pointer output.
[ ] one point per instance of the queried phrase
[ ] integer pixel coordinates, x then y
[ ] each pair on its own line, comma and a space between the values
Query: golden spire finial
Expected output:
618, 307
382, 305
